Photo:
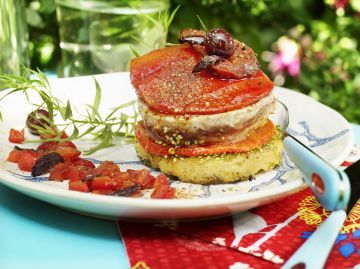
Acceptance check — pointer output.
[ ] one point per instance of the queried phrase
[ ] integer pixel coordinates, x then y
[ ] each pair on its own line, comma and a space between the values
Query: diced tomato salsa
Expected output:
83, 176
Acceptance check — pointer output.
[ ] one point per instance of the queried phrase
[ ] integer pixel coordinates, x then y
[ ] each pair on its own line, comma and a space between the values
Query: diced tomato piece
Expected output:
132, 173
16, 136
38, 153
64, 135
143, 178
102, 183
79, 172
68, 153
60, 172
105, 192
67, 144
148, 182
107, 168
27, 160
48, 146
170, 194
53, 145
14, 156
78, 186
162, 189
121, 180
106, 183
82, 162
121, 176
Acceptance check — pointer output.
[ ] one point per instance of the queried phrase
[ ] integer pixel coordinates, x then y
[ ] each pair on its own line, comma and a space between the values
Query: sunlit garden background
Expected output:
311, 46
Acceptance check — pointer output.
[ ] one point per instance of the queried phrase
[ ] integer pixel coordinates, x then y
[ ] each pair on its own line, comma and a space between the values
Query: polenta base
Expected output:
214, 169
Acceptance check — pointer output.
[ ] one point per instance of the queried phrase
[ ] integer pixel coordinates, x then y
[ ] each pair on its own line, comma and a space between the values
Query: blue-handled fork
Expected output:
331, 187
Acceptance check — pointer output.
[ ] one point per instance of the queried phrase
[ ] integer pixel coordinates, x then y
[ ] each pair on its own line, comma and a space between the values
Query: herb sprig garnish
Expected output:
104, 129
161, 24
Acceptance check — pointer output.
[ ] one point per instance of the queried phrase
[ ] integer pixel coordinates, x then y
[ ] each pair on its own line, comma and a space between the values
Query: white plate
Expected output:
318, 126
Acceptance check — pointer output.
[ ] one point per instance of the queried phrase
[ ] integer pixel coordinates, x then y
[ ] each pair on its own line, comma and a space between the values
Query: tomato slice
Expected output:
164, 81
254, 140
16, 136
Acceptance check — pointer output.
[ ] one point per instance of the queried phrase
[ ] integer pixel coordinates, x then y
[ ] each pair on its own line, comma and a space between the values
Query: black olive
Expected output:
127, 191
219, 42
45, 163
38, 118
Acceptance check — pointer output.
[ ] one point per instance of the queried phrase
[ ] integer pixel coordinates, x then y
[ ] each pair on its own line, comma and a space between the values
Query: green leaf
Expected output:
94, 113
114, 110
106, 142
88, 131
133, 51
34, 19
202, 23
142, 42
171, 18
47, 6
50, 106
75, 133
68, 110
97, 99
42, 77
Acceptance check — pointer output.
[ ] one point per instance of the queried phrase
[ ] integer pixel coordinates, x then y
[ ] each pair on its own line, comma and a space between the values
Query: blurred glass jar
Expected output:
13, 37
100, 36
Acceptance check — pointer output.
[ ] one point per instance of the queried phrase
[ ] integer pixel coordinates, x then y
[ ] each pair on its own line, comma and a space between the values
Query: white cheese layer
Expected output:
229, 126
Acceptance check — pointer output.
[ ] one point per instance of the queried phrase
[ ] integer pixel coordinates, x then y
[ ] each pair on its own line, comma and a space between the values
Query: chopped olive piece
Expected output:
127, 191
206, 62
45, 163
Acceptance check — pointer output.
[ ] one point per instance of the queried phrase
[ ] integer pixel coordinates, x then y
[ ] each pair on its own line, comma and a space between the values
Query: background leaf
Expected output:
97, 99
34, 19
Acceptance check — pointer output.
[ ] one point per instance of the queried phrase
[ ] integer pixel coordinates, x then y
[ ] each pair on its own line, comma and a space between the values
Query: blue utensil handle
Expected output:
330, 185
314, 252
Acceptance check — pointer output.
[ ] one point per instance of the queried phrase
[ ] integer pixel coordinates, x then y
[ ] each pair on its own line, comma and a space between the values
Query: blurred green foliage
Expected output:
326, 34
